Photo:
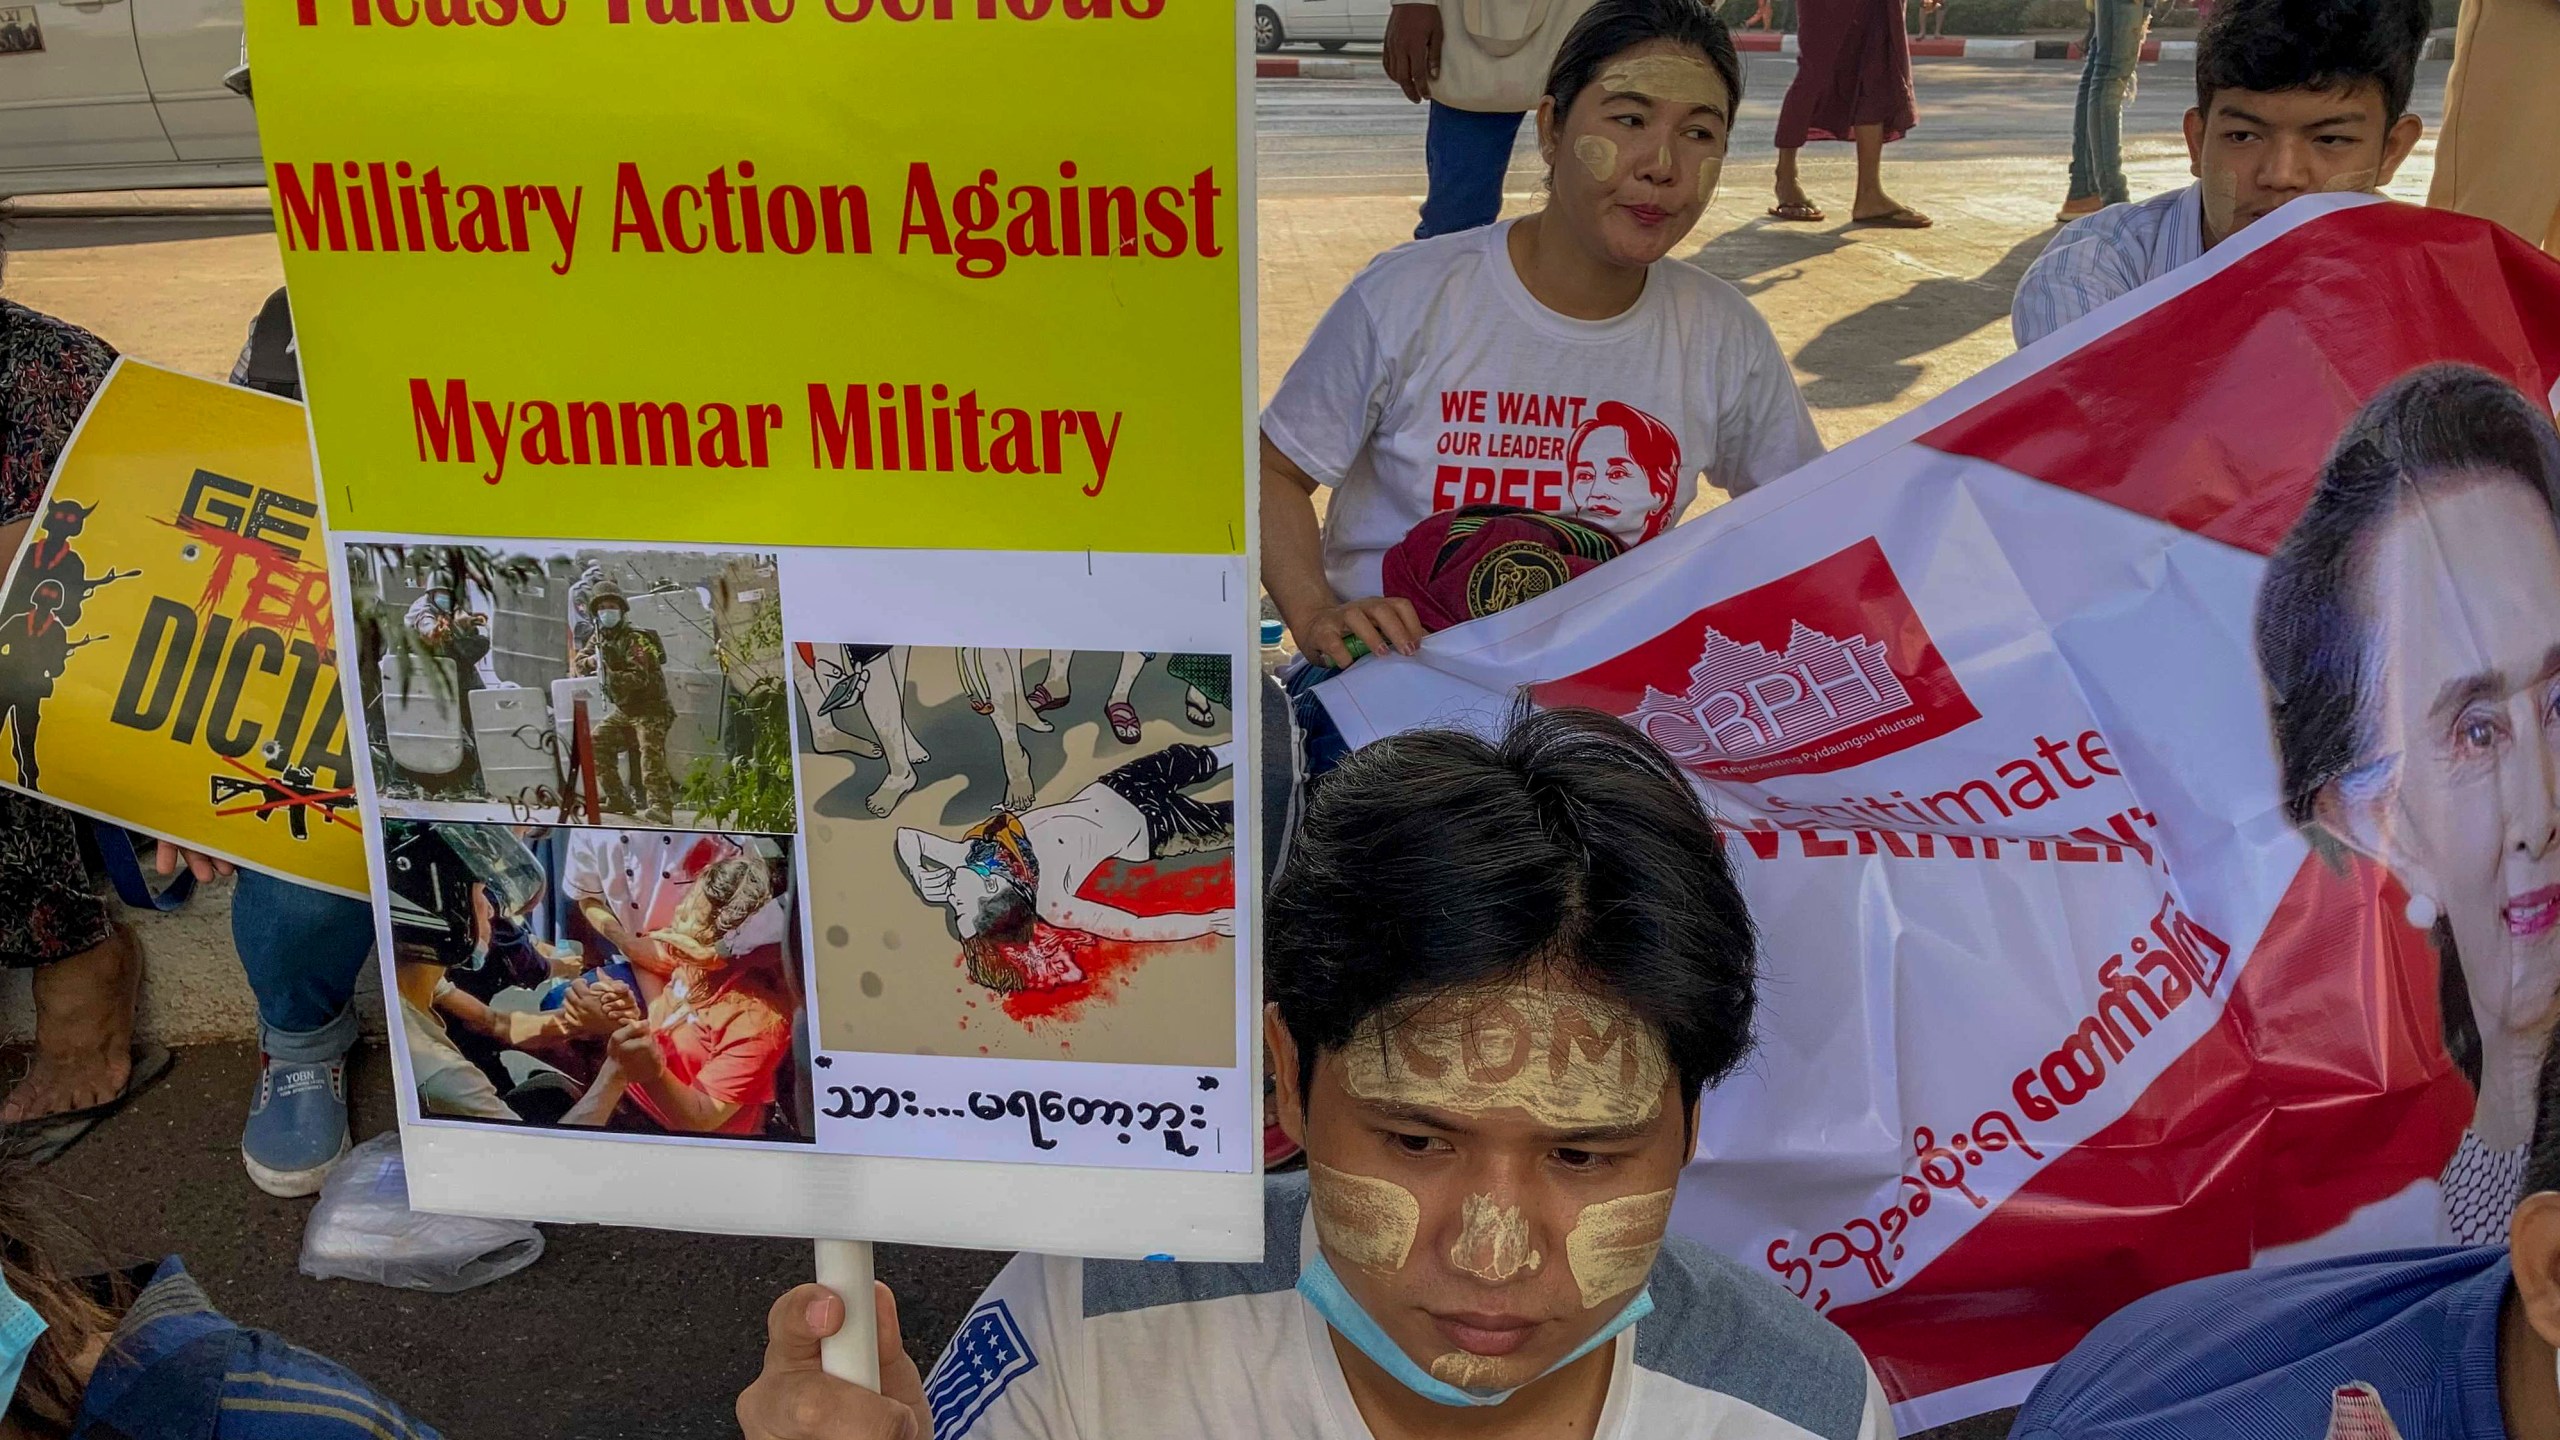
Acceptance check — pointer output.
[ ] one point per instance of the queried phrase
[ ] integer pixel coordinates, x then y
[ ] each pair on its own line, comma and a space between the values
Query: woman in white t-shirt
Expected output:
1559, 362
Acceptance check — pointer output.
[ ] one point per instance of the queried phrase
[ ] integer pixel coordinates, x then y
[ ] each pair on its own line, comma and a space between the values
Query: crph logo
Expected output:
1823, 669
1743, 701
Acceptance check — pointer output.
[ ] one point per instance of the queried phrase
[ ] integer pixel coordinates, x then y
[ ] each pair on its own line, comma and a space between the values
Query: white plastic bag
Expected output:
363, 1229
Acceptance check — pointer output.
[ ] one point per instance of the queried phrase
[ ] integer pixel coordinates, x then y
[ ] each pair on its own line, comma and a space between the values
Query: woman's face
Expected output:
1609, 488
2466, 594
1637, 155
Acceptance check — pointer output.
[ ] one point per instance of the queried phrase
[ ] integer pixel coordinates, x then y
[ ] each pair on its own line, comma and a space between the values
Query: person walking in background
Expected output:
2501, 108
1480, 66
2116, 28
1853, 82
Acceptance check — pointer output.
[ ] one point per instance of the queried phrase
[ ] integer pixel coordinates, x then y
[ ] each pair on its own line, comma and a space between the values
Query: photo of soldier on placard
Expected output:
574, 684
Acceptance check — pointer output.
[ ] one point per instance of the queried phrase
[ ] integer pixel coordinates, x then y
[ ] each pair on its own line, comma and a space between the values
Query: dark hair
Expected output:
2272, 45
2542, 1157
2313, 632
1613, 27
51, 1387
1436, 861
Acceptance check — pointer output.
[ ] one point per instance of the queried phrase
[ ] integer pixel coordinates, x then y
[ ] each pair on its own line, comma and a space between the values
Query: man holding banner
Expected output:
2293, 97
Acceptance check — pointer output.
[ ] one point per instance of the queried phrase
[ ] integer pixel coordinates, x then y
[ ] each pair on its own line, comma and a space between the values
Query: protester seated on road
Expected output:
705, 1055
1560, 361
1471, 1231
2293, 98
88, 968
2455, 1344
142, 1355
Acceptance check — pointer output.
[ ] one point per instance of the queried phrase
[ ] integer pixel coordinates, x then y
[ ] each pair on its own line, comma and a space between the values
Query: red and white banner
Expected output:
2058, 1006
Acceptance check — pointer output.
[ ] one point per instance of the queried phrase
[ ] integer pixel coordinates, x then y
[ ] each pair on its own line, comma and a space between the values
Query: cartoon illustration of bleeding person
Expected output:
1077, 904
1010, 870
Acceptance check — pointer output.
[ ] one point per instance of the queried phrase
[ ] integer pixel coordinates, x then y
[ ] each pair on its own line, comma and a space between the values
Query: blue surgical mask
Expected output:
1323, 1289
20, 1328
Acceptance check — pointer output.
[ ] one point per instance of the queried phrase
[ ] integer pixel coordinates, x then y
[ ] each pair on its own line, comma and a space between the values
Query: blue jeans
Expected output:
1467, 152
303, 949
2106, 83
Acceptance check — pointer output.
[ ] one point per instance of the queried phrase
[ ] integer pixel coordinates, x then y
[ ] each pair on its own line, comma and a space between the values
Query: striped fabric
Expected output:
178, 1370
2099, 257
2264, 1354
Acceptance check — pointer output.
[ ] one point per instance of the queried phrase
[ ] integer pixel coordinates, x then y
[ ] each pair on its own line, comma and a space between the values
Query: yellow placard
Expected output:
166, 650
911, 273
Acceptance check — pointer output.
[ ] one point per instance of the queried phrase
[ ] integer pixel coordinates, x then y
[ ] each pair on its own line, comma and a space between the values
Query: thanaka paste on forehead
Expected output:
1666, 77
1612, 1244
1571, 1061
1493, 1240
1367, 1221
1599, 155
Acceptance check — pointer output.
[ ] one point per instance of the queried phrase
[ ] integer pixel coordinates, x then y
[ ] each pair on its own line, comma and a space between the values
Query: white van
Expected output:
122, 95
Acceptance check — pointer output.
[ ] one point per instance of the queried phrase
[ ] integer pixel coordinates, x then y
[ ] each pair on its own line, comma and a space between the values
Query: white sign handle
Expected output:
852, 1353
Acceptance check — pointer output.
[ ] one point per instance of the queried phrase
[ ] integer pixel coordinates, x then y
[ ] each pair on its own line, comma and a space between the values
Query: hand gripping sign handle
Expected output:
852, 1353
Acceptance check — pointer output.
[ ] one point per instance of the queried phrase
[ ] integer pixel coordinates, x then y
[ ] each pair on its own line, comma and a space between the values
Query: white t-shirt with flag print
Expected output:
1060, 1349
1437, 380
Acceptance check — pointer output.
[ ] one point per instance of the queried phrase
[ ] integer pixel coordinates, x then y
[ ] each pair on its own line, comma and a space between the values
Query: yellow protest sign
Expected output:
167, 657
886, 273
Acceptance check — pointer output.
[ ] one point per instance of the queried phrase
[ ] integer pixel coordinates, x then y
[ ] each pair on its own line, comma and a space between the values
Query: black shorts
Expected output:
1154, 783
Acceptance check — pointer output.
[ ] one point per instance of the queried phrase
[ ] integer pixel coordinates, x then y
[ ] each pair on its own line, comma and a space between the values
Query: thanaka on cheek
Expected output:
1367, 1221
1710, 174
2353, 181
1599, 155
2221, 203
1612, 1244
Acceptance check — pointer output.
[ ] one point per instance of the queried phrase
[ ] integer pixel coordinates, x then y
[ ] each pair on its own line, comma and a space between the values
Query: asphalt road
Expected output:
1362, 137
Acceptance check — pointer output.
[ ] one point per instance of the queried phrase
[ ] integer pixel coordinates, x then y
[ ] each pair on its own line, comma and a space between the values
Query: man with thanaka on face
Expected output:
1454, 370
1501, 974
2293, 98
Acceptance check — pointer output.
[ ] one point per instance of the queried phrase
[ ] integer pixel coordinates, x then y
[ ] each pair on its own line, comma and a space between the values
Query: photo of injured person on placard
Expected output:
1020, 853
640, 981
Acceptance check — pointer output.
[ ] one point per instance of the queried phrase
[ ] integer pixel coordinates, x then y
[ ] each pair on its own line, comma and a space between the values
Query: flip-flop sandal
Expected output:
1124, 721
1042, 702
1197, 710
41, 1141
1801, 212
1902, 219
